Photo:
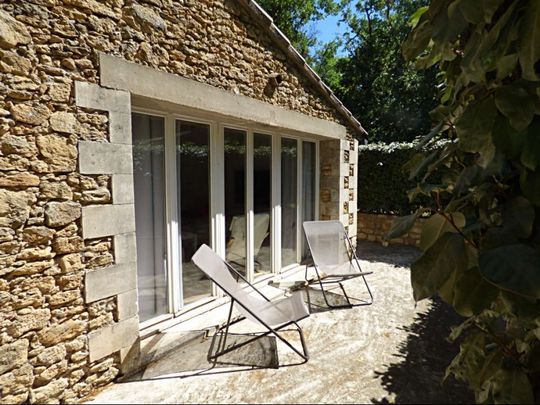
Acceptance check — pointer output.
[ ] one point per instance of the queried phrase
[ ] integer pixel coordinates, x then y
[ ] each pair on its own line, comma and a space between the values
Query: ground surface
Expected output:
389, 352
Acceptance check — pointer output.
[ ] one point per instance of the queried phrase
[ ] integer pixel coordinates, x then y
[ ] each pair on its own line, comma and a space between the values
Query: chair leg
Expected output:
349, 303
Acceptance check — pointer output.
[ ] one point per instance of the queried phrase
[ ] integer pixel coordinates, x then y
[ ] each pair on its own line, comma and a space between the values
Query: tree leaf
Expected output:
507, 139
514, 268
472, 11
416, 16
529, 48
530, 185
475, 125
417, 41
437, 264
401, 225
515, 104
512, 386
473, 294
437, 225
506, 65
518, 217
530, 155
490, 8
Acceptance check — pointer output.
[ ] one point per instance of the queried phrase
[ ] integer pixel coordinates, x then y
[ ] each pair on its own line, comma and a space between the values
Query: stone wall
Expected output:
374, 227
46, 255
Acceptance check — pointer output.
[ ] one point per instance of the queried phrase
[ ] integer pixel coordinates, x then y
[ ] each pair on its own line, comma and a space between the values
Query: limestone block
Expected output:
120, 127
59, 92
62, 121
144, 18
13, 355
122, 189
71, 263
14, 144
51, 355
111, 339
58, 152
29, 114
19, 180
14, 209
12, 32
105, 158
59, 214
57, 333
125, 248
57, 191
68, 245
127, 305
108, 281
34, 320
90, 95
106, 220
49, 392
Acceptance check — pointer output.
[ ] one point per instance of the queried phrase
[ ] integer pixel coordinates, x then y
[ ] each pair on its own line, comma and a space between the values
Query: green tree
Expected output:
389, 96
481, 248
292, 17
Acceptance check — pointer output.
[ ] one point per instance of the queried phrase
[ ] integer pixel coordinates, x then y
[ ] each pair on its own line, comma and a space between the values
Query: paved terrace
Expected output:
390, 352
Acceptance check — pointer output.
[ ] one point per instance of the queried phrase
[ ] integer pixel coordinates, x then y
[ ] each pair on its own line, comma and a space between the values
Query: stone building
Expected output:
131, 132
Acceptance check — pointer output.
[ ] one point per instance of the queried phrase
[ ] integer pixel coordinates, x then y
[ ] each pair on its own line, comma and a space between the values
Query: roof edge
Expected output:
281, 39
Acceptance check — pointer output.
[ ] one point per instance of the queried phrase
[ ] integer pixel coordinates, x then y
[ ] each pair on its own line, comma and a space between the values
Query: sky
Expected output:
328, 29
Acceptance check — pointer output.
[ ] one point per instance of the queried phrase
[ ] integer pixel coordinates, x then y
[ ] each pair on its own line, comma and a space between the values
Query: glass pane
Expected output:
289, 156
235, 198
262, 188
149, 181
308, 190
193, 160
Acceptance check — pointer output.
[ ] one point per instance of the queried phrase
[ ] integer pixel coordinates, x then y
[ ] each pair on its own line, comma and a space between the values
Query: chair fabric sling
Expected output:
334, 258
253, 305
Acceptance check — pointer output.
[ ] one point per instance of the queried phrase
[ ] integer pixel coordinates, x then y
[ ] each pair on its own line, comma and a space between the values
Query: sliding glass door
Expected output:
262, 203
193, 186
244, 193
149, 184
289, 203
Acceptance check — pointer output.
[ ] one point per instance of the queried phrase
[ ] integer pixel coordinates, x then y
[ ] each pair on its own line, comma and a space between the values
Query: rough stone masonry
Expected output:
45, 47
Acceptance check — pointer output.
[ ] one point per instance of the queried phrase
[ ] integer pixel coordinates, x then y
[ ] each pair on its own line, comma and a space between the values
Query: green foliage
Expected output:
292, 16
481, 250
389, 96
382, 184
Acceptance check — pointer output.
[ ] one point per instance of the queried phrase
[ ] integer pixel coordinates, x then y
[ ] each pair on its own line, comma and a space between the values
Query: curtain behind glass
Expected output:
149, 183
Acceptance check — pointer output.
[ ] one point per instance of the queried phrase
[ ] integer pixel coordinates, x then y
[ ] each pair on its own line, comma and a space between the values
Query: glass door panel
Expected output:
289, 161
193, 178
149, 183
262, 208
235, 198
308, 190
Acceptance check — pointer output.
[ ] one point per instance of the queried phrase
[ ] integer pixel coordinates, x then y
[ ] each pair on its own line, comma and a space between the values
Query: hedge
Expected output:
382, 182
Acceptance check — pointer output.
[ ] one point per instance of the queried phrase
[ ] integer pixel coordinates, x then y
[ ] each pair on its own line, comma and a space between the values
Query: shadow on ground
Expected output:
398, 255
417, 378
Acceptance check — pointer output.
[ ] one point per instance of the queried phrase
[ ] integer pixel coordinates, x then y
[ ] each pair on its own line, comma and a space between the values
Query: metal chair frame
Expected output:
221, 345
340, 279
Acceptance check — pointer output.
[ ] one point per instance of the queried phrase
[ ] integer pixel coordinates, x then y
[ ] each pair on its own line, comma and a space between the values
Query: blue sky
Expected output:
328, 29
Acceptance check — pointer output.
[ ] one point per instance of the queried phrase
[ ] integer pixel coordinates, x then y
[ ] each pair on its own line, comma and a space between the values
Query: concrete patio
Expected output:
389, 352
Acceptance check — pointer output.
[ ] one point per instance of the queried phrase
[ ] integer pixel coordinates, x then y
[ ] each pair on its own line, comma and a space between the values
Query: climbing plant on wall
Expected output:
481, 249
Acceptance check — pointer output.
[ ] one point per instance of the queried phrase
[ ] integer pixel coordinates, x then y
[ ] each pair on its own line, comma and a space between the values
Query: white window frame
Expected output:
217, 203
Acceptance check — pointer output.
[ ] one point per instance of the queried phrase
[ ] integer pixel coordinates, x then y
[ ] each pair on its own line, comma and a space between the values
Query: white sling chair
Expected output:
334, 259
251, 304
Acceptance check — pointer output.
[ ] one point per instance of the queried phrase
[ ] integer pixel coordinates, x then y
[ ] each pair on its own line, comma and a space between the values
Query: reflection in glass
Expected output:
235, 198
262, 187
308, 190
193, 160
149, 182
289, 157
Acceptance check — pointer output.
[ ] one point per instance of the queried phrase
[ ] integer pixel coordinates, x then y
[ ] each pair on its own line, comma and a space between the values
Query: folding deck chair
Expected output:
334, 259
252, 305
